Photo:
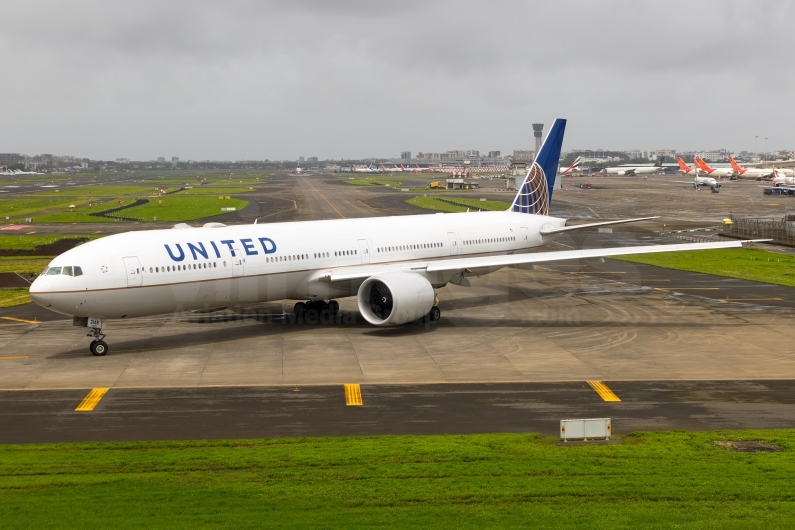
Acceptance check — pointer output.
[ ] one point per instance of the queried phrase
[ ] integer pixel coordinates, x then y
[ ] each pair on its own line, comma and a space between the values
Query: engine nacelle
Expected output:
393, 298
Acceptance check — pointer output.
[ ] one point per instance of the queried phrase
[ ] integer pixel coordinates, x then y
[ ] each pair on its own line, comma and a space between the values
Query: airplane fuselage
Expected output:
164, 271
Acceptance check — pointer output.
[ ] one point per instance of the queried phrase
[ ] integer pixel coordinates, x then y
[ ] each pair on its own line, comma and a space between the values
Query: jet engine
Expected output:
393, 298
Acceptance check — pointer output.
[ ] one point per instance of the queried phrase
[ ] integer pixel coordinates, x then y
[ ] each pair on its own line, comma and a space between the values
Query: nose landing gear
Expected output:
98, 346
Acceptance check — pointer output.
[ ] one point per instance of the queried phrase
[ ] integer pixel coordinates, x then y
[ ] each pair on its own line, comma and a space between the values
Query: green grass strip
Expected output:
743, 263
434, 203
651, 480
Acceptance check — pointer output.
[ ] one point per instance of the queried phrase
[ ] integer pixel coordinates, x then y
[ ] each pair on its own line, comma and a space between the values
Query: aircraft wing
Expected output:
551, 231
464, 264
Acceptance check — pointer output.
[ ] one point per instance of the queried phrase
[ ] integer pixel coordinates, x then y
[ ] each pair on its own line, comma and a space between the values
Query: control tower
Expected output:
538, 129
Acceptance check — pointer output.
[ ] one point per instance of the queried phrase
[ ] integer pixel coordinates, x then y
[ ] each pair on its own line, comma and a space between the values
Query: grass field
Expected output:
204, 190
24, 264
173, 209
13, 242
651, 480
434, 203
744, 263
21, 207
178, 209
99, 190
371, 181
14, 297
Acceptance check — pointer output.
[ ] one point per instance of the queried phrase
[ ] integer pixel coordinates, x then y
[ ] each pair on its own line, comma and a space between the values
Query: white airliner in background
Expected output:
751, 172
712, 171
393, 265
635, 170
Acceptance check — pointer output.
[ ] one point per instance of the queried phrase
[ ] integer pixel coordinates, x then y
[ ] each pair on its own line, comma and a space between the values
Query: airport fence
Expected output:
780, 229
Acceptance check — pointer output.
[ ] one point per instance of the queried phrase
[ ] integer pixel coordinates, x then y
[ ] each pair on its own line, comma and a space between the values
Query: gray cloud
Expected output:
248, 79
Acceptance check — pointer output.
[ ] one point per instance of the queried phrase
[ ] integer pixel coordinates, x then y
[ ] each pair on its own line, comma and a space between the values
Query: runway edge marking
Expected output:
604, 392
91, 400
353, 395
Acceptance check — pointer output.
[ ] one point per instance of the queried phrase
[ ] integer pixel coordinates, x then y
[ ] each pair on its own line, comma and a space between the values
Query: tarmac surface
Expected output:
252, 412
512, 353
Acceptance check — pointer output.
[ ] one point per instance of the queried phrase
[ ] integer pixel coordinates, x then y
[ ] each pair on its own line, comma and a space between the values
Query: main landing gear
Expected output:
433, 315
316, 308
98, 346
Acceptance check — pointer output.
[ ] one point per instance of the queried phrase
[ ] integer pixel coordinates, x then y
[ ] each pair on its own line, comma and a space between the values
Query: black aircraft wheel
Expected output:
435, 314
99, 348
299, 308
333, 307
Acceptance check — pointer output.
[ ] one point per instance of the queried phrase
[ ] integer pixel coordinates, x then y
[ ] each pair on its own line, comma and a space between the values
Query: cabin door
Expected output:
364, 250
134, 273
453, 243
238, 262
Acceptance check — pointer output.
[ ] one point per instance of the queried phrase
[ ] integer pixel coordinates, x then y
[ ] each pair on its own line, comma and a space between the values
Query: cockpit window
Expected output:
67, 271
52, 271
78, 271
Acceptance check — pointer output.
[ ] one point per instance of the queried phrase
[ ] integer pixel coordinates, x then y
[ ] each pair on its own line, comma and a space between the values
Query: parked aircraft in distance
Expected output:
699, 181
635, 170
363, 169
392, 265
684, 168
572, 167
712, 171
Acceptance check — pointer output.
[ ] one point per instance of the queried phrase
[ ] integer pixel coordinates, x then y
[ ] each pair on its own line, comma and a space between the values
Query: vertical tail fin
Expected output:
535, 193
682, 165
702, 165
735, 166
659, 161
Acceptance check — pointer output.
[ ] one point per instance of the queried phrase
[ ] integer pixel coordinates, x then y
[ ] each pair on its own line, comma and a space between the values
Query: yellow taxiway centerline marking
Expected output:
12, 357
21, 320
353, 395
325, 199
605, 393
91, 400
33, 232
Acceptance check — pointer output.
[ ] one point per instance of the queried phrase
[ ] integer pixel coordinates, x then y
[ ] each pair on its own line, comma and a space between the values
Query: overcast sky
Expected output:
256, 79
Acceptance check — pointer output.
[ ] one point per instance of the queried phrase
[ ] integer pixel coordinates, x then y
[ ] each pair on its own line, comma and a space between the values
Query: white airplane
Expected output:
363, 169
699, 181
712, 171
392, 265
393, 169
751, 172
781, 179
635, 170
15, 172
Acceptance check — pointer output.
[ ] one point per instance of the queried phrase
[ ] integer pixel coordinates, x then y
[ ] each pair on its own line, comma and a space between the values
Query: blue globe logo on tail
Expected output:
535, 193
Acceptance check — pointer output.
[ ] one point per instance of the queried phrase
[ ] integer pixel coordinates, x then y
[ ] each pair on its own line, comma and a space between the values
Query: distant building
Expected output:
523, 154
10, 159
174, 159
161, 159
312, 160
494, 154
122, 160
716, 155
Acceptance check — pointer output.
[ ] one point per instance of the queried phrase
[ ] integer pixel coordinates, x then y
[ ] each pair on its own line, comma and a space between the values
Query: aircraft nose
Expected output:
41, 291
